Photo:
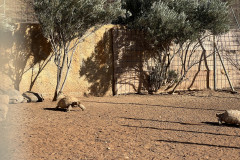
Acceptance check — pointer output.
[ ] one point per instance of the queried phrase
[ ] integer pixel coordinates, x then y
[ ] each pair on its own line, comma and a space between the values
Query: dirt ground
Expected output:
141, 127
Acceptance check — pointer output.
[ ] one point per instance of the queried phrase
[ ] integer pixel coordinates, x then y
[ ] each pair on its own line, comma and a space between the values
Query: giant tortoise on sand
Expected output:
69, 102
229, 117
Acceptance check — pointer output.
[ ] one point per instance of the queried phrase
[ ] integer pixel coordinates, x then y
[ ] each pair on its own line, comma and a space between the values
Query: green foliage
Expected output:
136, 8
159, 77
172, 76
181, 22
213, 16
64, 23
177, 20
163, 23
69, 19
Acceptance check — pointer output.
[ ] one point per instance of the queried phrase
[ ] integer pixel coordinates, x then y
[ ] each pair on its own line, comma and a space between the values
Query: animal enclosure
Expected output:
219, 68
119, 61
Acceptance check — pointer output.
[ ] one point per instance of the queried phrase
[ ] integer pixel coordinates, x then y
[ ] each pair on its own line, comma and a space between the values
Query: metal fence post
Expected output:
229, 81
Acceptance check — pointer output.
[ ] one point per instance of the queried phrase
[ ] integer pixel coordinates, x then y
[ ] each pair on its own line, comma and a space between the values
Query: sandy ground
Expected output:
141, 127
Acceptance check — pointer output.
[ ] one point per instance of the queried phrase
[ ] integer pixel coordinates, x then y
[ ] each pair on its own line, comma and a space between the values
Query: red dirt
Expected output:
123, 127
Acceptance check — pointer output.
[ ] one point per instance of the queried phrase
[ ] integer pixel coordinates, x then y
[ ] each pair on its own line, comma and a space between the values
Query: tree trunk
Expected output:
206, 64
59, 74
55, 96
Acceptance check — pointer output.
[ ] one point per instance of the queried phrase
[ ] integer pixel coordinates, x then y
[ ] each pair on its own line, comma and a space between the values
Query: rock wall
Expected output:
90, 73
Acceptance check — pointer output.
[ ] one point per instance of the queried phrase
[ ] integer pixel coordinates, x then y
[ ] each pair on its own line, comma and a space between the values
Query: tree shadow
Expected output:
132, 51
98, 69
120, 60
21, 51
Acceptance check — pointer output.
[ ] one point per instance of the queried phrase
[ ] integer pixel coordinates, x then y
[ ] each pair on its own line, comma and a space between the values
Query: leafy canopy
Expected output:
64, 23
177, 20
69, 19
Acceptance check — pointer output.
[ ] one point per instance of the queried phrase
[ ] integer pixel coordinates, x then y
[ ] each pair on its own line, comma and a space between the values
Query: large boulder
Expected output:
33, 96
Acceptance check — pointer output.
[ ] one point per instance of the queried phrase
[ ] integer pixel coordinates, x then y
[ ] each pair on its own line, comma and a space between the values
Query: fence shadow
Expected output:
156, 105
184, 123
180, 130
199, 144
153, 120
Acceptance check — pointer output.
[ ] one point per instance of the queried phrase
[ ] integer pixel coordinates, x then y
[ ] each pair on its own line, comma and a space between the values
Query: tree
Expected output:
65, 24
208, 18
180, 22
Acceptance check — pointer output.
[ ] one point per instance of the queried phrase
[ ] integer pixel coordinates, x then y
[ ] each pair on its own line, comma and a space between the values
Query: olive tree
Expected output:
65, 23
178, 22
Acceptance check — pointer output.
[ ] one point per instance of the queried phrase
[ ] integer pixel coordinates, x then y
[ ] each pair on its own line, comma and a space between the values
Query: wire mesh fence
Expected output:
133, 60
18, 11
133, 63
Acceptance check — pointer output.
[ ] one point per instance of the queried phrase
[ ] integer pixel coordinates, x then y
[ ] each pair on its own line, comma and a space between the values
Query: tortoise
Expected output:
229, 117
69, 102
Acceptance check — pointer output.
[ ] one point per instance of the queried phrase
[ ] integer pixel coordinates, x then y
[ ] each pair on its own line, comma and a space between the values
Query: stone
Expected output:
33, 96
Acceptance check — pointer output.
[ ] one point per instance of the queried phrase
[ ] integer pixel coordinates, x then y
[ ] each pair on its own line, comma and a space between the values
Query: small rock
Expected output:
33, 96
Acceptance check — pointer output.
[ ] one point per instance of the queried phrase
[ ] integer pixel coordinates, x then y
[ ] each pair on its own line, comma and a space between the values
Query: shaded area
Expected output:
132, 51
58, 109
55, 109
180, 130
153, 120
200, 144
153, 105
98, 69
21, 51
118, 61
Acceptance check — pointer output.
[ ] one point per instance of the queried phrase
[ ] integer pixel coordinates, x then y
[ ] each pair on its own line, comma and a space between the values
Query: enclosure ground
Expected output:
142, 127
